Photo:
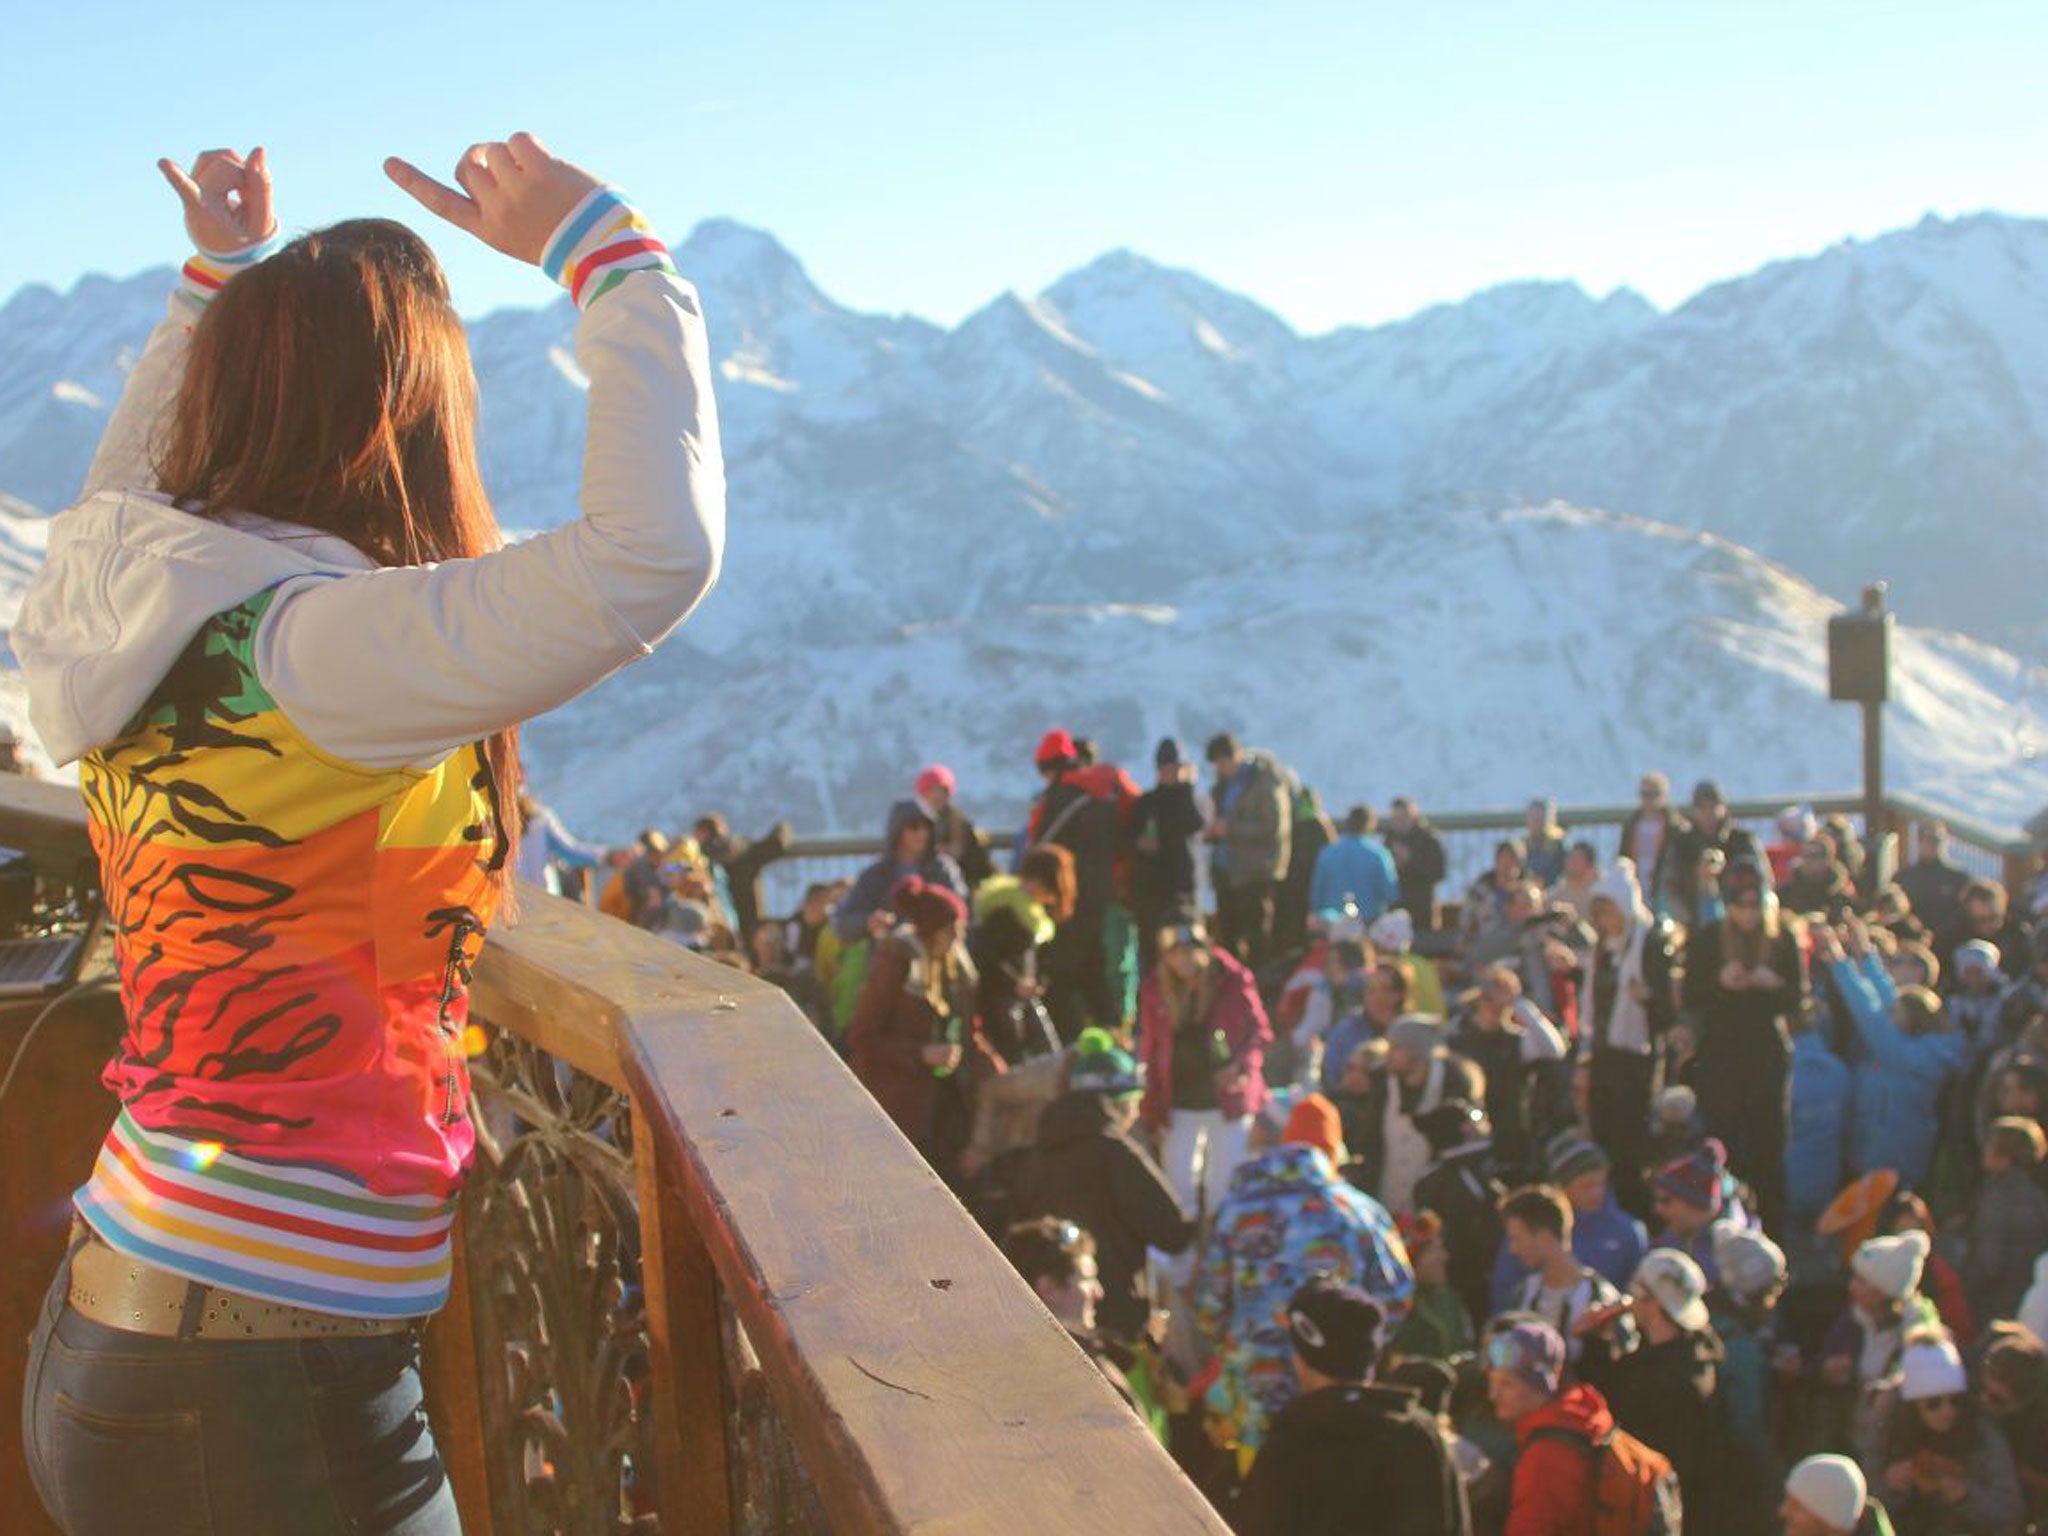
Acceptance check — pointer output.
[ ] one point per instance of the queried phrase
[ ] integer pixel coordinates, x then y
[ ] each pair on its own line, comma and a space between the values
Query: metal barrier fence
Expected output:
1469, 839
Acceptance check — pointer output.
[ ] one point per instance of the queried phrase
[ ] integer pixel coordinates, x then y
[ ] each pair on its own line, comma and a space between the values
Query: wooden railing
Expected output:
703, 1285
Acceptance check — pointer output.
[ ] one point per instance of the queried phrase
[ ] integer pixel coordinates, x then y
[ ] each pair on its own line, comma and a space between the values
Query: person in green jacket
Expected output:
1437, 1327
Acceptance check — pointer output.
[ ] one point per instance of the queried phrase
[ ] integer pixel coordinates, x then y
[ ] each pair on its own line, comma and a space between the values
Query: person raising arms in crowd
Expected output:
295, 637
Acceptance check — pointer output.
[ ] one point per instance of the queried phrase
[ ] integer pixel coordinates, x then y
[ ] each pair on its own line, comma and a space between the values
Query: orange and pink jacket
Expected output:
277, 744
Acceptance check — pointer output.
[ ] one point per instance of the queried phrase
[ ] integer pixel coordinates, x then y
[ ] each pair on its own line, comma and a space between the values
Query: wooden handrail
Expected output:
923, 1382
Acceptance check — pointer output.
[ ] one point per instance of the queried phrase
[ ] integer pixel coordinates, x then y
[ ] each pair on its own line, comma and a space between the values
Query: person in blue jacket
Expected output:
1910, 1053
1823, 1097
1357, 866
906, 850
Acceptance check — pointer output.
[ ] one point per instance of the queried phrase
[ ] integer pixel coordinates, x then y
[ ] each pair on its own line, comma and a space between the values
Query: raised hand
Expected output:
226, 198
514, 194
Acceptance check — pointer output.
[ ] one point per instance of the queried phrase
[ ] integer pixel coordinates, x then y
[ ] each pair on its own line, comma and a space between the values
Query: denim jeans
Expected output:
128, 1433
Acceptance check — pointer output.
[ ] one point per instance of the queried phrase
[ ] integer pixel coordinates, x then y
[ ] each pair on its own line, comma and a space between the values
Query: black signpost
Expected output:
1859, 672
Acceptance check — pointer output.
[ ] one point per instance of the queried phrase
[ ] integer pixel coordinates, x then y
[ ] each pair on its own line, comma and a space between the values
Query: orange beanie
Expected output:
1314, 1122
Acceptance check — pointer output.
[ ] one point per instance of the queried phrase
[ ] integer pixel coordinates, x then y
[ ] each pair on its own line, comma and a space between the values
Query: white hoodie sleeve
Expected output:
123, 460
396, 668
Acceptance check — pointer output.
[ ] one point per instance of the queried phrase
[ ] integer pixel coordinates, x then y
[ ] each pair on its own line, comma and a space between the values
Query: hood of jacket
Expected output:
1286, 1170
128, 581
904, 813
1579, 1409
1075, 1117
1619, 885
1006, 893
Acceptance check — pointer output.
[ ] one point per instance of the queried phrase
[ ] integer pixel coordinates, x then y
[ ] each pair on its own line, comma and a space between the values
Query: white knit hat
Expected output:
1892, 1264
1932, 1368
1751, 1265
1832, 1488
1619, 887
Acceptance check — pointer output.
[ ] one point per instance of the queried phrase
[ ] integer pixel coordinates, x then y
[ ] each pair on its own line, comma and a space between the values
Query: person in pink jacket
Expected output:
1202, 1035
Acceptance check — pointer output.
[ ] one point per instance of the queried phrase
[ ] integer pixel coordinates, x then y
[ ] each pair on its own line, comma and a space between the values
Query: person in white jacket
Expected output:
283, 640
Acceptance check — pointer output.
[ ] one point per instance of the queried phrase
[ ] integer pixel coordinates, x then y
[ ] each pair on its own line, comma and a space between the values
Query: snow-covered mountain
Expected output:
1476, 659
1138, 501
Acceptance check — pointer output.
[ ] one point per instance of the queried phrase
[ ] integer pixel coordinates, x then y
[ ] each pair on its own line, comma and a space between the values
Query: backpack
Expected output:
1635, 1492
1084, 813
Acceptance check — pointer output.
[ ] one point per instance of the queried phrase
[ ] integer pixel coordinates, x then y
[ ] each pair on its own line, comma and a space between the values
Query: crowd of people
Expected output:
1691, 1176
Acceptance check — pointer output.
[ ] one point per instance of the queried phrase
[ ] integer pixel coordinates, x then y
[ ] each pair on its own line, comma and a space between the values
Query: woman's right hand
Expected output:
514, 194
226, 198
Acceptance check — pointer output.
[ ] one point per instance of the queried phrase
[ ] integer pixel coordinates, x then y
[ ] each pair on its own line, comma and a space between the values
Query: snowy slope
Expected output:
1878, 409
1477, 660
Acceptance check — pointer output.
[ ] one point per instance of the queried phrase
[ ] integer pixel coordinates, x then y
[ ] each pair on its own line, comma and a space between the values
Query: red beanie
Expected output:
1695, 1179
1056, 747
926, 907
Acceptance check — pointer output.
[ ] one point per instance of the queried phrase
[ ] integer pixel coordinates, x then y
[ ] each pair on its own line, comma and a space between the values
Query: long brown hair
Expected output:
1052, 867
331, 387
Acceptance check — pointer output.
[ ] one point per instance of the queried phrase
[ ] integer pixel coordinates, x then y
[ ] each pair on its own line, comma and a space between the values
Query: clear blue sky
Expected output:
1337, 161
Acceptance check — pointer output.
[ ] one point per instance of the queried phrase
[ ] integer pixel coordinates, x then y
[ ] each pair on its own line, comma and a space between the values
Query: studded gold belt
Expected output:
127, 1293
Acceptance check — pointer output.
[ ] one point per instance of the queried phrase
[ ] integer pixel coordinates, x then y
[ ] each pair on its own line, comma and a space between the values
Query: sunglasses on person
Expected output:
1501, 1354
1947, 1402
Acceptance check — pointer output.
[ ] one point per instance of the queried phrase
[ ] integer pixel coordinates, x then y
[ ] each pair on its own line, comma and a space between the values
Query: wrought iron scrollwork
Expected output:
560, 1314
561, 1319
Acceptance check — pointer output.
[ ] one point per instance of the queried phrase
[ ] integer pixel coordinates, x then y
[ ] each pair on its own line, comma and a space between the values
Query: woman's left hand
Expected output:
226, 198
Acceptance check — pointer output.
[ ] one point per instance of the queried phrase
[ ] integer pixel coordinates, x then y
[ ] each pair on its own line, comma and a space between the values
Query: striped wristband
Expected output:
603, 238
208, 271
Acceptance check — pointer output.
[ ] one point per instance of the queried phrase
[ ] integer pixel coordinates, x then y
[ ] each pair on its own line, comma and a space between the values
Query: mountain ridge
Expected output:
1137, 457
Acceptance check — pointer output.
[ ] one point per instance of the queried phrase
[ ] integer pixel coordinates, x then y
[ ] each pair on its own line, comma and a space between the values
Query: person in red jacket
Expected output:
1554, 1479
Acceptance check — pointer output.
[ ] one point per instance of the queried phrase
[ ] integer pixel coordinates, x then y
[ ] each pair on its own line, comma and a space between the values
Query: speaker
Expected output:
1860, 658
